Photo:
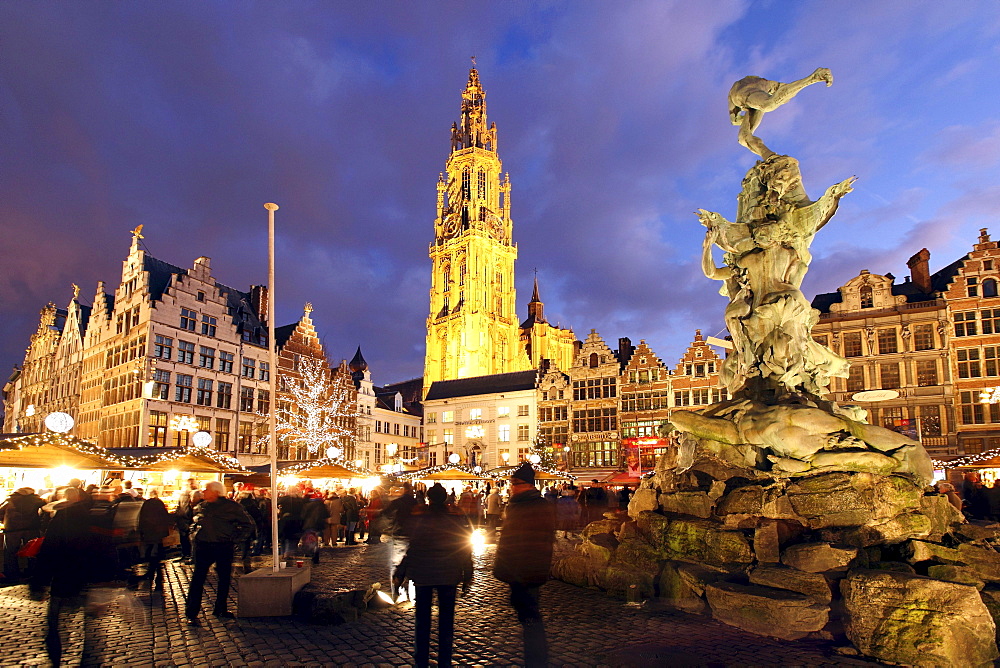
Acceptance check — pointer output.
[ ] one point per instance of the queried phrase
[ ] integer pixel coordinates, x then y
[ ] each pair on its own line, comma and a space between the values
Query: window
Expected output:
161, 384
923, 337
891, 416
867, 300
475, 413
889, 373
990, 287
523, 432
852, 344
432, 418
249, 368
225, 362
185, 352
482, 184
856, 379
432, 436
595, 419
594, 360
224, 399
221, 435
971, 287
246, 399
968, 363
822, 339
432, 458
927, 373
930, 420
244, 439
200, 296
971, 410
887, 342
682, 398
522, 411
447, 416
204, 396
208, 325
595, 388
596, 454
263, 401
503, 411
991, 320
157, 429
188, 319
503, 433
265, 371
990, 360
965, 323
163, 347
183, 392
466, 184
206, 358
449, 437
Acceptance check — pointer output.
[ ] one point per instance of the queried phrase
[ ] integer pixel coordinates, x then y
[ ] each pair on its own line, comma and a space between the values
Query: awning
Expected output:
325, 468
51, 450
540, 473
191, 459
451, 472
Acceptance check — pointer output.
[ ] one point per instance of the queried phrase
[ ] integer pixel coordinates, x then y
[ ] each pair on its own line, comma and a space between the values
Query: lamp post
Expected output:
273, 361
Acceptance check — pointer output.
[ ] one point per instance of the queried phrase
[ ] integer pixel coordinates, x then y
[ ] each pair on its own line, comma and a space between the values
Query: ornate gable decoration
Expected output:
867, 291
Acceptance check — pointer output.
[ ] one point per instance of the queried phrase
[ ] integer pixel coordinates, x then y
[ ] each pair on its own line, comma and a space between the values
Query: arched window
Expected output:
990, 288
461, 274
466, 184
482, 184
594, 360
867, 299
446, 277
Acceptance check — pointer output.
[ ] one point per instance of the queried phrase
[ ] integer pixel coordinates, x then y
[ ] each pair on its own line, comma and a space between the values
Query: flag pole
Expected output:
273, 361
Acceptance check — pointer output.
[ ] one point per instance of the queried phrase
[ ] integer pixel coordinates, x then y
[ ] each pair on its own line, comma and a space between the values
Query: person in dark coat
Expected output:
352, 513
218, 524
524, 557
400, 511
290, 520
68, 561
186, 501
154, 525
314, 516
21, 523
439, 558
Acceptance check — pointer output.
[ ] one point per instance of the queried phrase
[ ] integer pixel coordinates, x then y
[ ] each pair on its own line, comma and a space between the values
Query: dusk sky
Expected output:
612, 121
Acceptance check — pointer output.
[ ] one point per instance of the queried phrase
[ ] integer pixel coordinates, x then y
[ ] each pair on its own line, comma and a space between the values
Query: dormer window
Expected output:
594, 360
990, 287
200, 296
867, 297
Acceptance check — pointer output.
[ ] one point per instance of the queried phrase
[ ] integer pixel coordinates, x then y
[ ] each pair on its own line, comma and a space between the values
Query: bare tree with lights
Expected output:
317, 410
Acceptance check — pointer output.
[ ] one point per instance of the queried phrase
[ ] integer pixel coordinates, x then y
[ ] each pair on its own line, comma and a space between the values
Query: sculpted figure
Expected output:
752, 96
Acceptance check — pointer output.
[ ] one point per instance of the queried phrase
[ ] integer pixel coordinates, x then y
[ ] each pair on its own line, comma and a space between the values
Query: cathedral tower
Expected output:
472, 328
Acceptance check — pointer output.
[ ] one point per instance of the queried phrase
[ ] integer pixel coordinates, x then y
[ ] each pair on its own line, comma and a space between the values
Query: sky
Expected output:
186, 117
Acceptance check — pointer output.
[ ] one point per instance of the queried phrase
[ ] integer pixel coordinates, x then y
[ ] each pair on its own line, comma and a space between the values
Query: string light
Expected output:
352, 467
968, 460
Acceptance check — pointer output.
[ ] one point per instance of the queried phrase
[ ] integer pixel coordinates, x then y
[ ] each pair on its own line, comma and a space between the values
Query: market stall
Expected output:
168, 469
328, 472
48, 460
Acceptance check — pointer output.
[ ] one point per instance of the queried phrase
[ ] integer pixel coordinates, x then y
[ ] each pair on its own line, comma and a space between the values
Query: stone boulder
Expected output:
644, 499
694, 541
818, 557
941, 513
852, 499
920, 550
984, 561
695, 504
766, 611
952, 573
598, 548
577, 570
894, 530
813, 585
916, 620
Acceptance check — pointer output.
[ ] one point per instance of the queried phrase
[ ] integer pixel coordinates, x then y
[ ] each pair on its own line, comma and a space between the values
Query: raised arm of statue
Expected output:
751, 97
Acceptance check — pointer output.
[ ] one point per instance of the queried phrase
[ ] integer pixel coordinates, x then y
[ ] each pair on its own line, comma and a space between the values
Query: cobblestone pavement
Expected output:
585, 628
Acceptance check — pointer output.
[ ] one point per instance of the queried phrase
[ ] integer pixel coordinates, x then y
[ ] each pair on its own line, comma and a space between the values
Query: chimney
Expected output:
258, 299
918, 265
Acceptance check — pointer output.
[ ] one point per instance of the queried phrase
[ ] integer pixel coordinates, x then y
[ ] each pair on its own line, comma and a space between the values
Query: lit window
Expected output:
503, 411
448, 416
475, 413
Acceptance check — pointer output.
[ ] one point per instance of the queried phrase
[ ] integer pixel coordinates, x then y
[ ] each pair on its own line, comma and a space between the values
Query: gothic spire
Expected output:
472, 132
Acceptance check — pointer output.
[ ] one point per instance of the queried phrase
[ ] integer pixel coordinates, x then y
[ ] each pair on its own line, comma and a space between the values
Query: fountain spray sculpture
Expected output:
781, 512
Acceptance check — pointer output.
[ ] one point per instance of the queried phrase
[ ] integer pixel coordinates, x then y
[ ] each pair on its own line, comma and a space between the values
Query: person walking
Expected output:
290, 520
524, 557
219, 523
314, 516
373, 514
400, 511
335, 509
21, 523
154, 525
439, 558
351, 515
494, 509
186, 501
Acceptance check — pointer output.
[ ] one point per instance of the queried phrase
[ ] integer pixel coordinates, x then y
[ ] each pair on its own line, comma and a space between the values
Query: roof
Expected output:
160, 275
500, 382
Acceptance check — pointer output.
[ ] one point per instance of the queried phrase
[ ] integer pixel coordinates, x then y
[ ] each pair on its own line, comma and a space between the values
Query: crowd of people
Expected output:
73, 537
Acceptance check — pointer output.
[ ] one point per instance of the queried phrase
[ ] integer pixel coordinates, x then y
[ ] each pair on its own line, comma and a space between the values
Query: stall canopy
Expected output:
325, 467
540, 473
191, 459
450, 472
52, 450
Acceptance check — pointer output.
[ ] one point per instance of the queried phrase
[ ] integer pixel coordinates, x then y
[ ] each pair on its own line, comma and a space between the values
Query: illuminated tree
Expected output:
315, 408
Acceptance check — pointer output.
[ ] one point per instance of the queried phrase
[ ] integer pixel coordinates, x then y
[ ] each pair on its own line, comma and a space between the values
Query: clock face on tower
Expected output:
452, 224
496, 227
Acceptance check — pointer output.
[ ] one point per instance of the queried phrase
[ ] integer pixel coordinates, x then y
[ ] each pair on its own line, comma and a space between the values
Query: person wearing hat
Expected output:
439, 558
524, 557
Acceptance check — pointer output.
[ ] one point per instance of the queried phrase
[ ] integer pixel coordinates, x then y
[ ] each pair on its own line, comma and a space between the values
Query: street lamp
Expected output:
454, 458
505, 456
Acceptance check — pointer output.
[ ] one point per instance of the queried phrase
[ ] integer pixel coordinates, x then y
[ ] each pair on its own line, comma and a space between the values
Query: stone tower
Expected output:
472, 327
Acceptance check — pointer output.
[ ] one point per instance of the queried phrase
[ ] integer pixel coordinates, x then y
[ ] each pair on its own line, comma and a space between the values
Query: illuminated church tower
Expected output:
472, 328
